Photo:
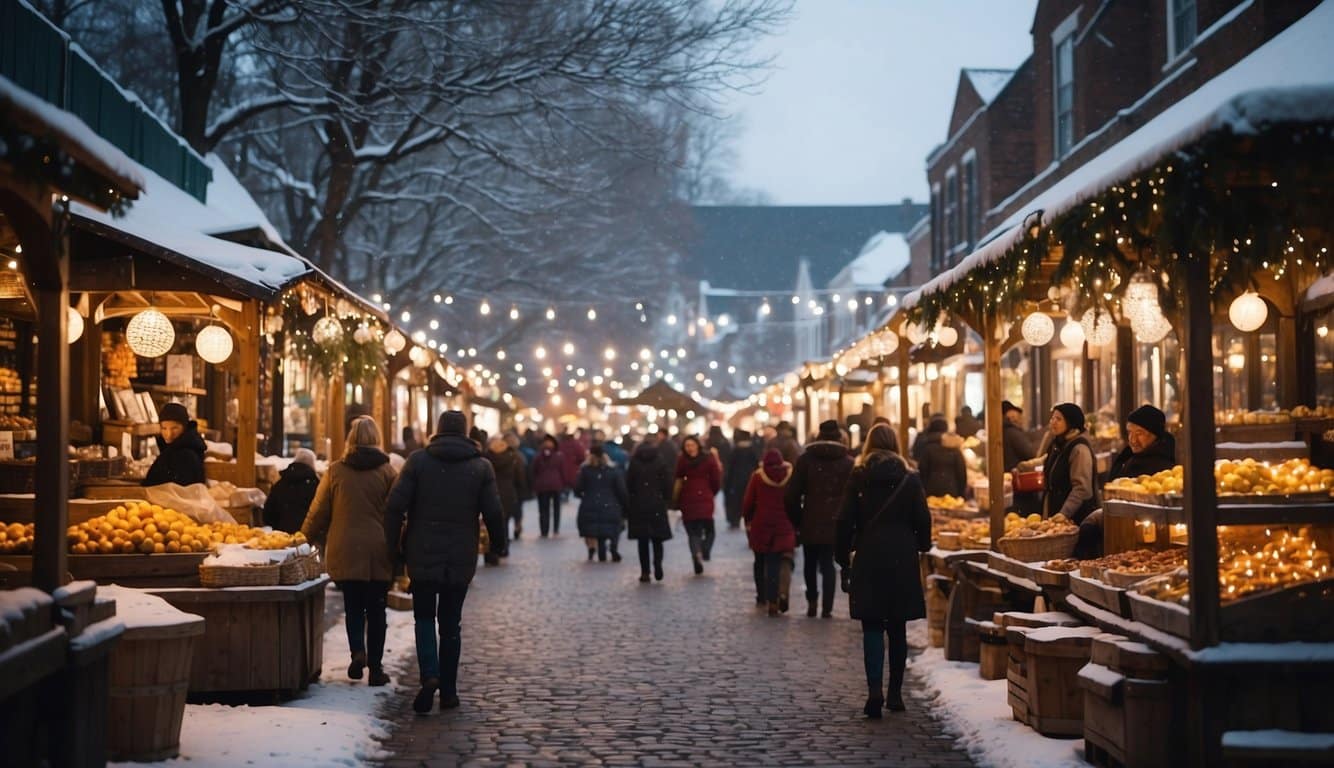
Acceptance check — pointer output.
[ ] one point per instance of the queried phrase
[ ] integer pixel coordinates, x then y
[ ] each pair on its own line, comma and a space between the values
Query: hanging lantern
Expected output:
1099, 327
362, 335
1038, 329
309, 304
327, 331
1139, 303
947, 336
915, 333
1248, 311
1072, 334
213, 344
394, 342
888, 343
73, 326
1152, 330
344, 308
420, 357
150, 334
273, 324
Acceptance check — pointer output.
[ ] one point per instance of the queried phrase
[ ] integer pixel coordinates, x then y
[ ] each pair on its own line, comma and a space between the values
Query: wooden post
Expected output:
337, 409
1289, 387
278, 396
85, 374
1200, 497
1086, 400
247, 392
1126, 394
877, 395
382, 413
50, 282
991, 362
905, 412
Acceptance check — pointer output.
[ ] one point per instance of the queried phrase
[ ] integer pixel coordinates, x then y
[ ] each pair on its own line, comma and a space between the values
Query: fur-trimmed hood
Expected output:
775, 475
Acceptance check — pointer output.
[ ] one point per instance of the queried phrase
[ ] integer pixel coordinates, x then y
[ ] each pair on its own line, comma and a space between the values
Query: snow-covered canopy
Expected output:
988, 82
1320, 294
1288, 79
883, 257
175, 222
75, 137
228, 197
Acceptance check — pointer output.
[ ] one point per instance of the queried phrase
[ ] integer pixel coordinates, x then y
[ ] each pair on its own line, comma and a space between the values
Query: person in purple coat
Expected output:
548, 482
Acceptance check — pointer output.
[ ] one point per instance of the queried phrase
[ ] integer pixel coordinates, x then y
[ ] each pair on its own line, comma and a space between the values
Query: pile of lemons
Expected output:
16, 539
1249, 476
946, 502
141, 527
1035, 525
1167, 481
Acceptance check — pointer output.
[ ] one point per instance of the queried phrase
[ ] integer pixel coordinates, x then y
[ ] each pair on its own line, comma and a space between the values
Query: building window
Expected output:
970, 212
1180, 27
1063, 68
951, 214
937, 231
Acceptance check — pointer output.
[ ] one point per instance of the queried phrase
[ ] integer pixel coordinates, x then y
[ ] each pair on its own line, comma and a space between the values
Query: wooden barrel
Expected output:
995, 651
149, 677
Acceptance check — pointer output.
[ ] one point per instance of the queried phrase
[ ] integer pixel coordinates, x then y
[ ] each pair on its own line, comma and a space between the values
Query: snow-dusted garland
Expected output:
1265, 198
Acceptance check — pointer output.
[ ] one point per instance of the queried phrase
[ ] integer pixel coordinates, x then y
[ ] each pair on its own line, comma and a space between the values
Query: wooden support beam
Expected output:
278, 396
1200, 497
51, 483
905, 412
1126, 395
991, 375
248, 331
337, 415
1289, 350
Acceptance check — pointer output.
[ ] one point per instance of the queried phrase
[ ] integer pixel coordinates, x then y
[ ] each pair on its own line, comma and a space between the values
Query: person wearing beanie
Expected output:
180, 448
432, 523
940, 460
743, 460
1015, 442
289, 498
603, 504
511, 480
769, 530
547, 479
1150, 449
813, 499
1069, 465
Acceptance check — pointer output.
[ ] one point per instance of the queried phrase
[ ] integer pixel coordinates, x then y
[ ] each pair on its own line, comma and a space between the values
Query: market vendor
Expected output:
1067, 466
1149, 447
180, 449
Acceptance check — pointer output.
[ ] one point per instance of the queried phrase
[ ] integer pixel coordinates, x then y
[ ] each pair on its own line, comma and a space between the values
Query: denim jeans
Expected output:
873, 652
364, 604
818, 560
429, 600
548, 512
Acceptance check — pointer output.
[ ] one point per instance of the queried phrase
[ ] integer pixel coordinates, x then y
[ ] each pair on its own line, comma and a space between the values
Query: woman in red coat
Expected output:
768, 528
700, 476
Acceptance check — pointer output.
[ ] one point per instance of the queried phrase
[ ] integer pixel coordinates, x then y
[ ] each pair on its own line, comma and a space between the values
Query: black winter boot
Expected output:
894, 700
426, 696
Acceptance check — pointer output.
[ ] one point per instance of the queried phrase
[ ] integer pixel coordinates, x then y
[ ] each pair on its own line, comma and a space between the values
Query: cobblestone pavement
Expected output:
567, 662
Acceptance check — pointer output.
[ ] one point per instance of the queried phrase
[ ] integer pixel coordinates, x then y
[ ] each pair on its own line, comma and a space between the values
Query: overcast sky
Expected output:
862, 91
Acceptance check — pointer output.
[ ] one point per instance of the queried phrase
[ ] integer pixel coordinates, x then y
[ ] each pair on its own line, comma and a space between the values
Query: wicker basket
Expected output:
1034, 548
239, 575
292, 570
314, 565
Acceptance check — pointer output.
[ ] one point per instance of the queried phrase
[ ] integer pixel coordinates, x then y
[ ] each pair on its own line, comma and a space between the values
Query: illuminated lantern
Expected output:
1072, 335
328, 330
394, 342
213, 344
1099, 327
1038, 329
74, 327
150, 334
1248, 311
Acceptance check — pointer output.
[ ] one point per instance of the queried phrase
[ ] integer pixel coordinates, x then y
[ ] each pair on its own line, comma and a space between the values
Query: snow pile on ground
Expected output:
977, 712
334, 724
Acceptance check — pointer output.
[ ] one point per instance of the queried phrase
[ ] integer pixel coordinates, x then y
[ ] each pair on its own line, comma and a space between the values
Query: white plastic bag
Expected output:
193, 500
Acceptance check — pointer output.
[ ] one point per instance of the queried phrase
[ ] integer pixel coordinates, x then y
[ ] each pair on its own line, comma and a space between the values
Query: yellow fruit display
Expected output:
1245, 568
946, 502
1166, 481
16, 538
138, 527
1017, 527
1251, 477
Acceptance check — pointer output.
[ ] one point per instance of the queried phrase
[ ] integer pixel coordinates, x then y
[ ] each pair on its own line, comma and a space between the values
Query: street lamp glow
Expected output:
437, 298
609, 353
485, 308
406, 316
891, 300
671, 319
500, 355
592, 314
852, 305
568, 348
551, 313
434, 324
765, 309
514, 313
449, 299
540, 353
680, 352
713, 365
645, 354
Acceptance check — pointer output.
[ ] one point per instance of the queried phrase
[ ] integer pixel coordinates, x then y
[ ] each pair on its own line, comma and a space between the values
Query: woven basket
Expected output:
239, 575
292, 570
1034, 548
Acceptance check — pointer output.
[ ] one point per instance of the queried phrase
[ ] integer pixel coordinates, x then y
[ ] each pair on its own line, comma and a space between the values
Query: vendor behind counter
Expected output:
180, 449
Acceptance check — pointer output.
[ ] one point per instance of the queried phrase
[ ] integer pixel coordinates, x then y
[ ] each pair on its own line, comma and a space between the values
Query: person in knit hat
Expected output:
289, 499
813, 500
1149, 447
769, 530
180, 449
1069, 465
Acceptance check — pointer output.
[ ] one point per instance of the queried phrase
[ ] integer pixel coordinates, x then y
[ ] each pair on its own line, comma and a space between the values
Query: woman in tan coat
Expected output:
348, 514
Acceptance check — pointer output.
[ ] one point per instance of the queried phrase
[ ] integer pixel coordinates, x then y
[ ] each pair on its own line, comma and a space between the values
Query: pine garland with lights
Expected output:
359, 363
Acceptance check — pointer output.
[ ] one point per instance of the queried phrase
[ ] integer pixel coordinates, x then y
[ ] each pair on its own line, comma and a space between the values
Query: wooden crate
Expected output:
1016, 625
256, 639
974, 596
150, 675
1127, 705
1101, 594
164, 570
1169, 617
937, 599
1054, 656
994, 651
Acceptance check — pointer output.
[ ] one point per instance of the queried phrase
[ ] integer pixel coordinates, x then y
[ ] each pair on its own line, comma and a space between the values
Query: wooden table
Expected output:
256, 639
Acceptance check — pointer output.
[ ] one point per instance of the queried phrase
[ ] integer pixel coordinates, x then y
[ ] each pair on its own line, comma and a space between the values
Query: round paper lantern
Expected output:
947, 336
213, 344
916, 334
1153, 329
1099, 327
888, 343
1038, 329
419, 357
1072, 334
1140, 301
394, 342
327, 331
74, 326
362, 335
150, 334
1248, 311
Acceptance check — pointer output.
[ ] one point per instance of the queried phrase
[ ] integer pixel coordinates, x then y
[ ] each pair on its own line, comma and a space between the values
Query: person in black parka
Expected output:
511, 481
432, 521
289, 500
743, 459
882, 527
813, 499
1150, 449
940, 460
649, 482
180, 449
603, 503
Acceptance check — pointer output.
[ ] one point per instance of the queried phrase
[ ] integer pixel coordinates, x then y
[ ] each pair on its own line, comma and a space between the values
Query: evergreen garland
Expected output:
359, 363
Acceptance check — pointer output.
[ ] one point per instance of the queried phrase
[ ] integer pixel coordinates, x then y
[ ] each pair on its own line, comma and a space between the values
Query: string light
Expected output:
592, 314
485, 307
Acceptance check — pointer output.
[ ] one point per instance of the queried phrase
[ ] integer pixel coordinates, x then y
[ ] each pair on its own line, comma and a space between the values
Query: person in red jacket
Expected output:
700, 476
548, 482
768, 528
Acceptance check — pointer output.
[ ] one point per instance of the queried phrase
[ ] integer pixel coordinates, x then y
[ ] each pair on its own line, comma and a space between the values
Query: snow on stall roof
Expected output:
1289, 78
169, 217
989, 82
137, 609
228, 196
74, 132
1276, 739
884, 256
1321, 292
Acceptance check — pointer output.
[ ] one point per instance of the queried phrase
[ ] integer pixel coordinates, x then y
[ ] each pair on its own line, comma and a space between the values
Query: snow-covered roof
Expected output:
229, 197
75, 136
988, 82
1320, 294
171, 219
1288, 79
884, 256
